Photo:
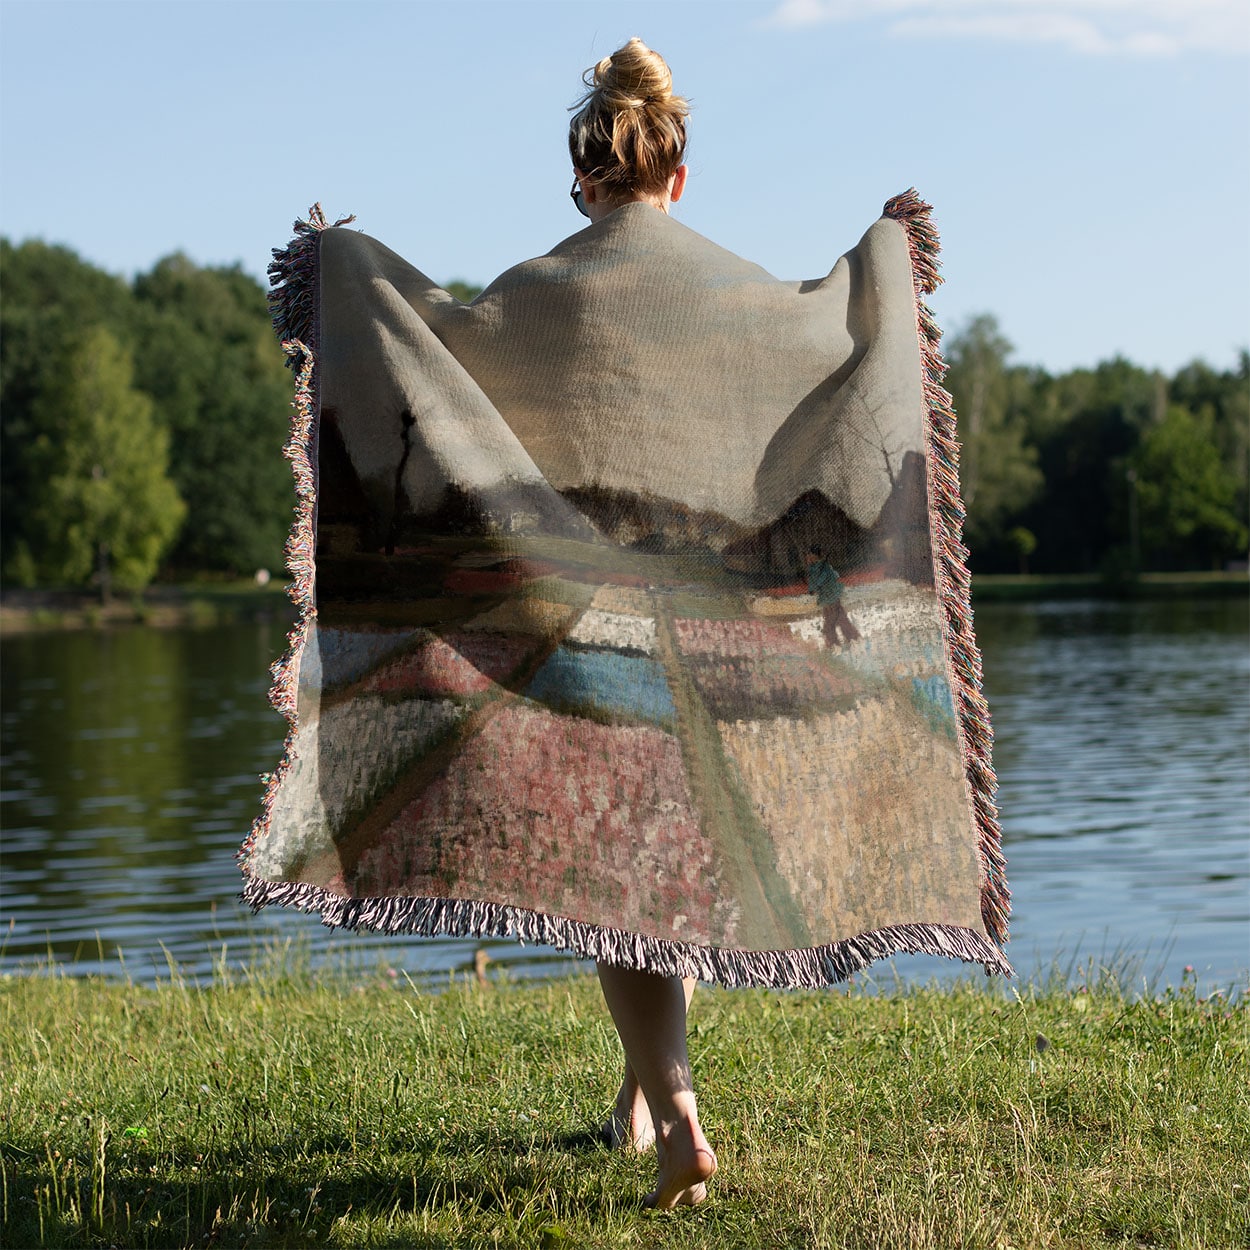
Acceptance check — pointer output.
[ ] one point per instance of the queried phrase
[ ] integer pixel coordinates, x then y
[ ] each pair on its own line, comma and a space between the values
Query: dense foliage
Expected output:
142, 424
178, 376
1114, 469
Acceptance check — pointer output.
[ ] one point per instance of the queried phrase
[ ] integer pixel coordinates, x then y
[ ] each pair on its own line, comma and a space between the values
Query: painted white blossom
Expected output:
616, 631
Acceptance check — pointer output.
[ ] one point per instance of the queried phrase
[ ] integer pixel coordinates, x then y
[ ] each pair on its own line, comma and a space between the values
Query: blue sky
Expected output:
1088, 159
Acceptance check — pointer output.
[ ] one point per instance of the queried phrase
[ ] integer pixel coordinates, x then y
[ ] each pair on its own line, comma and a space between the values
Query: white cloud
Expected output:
1136, 28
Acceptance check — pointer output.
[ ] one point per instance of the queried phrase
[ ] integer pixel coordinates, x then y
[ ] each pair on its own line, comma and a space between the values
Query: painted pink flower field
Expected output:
735, 638
461, 664
577, 817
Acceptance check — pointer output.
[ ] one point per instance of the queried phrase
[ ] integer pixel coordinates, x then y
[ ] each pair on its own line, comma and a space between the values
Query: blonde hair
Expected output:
629, 131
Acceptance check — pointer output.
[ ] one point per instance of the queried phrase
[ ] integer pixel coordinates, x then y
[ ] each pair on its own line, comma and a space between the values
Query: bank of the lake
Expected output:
225, 602
167, 606
279, 1108
1036, 588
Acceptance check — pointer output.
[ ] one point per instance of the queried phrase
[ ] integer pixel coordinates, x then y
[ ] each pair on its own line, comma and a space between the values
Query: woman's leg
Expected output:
649, 1012
629, 1126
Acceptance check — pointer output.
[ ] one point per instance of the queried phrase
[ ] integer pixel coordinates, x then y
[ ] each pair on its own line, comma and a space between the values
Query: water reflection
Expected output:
131, 762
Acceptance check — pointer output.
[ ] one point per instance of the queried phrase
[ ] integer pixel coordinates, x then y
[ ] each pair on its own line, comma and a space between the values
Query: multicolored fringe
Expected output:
812, 968
950, 559
295, 297
294, 302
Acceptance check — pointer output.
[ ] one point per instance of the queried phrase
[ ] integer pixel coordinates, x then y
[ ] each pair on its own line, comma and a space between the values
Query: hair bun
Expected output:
633, 77
629, 129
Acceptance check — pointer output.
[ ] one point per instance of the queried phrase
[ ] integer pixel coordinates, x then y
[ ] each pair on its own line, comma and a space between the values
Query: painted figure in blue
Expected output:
823, 582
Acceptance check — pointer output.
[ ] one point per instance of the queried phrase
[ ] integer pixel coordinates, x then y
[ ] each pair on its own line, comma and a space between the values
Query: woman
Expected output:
628, 140
546, 682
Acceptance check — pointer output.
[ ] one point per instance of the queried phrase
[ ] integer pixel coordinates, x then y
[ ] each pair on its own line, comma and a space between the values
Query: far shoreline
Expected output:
1035, 587
173, 605
207, 604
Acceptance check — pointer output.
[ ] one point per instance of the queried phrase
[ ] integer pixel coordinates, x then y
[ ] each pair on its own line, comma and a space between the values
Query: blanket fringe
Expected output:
782, 969
293, 303
954, 582
293, 277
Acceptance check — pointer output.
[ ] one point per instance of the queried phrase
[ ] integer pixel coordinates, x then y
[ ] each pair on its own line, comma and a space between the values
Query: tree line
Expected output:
1114, 470
142, 422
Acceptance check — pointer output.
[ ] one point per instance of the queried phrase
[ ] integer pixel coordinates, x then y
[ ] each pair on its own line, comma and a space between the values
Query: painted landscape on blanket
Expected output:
418, 524
635, 717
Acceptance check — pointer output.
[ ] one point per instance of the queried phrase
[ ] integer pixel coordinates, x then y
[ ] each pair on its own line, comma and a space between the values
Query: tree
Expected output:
208, 358
998, 467
465, 292
1087, 424
1187, 493
1024, 543
205, 354
51, 297
105, 509
1223, 398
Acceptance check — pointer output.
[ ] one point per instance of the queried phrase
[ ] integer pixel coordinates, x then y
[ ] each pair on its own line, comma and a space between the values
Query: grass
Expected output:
280, 1107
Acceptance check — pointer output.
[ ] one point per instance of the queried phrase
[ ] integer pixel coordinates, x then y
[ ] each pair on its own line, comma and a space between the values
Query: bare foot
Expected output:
629, 1126
686, 1165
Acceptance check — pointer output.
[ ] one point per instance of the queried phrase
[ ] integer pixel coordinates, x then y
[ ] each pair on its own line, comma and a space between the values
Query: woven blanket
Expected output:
634, 618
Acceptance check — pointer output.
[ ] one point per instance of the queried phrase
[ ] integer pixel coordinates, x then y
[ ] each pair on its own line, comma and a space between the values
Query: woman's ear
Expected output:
588, 186
678, 185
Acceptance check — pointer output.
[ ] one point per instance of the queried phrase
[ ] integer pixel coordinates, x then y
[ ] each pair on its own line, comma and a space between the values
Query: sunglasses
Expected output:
576, 196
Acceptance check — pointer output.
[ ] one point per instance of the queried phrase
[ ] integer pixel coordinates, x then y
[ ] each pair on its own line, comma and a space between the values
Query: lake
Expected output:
131, 761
